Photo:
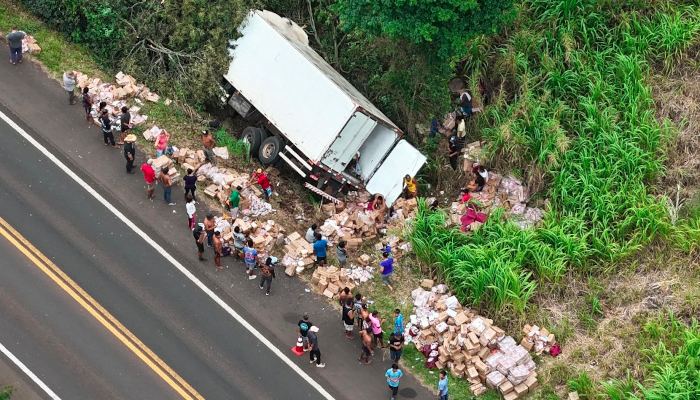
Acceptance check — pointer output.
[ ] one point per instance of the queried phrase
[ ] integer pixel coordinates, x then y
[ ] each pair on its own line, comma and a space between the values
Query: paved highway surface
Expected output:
193, 335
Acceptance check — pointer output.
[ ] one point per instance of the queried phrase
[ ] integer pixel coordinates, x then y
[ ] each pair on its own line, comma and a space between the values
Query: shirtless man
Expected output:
217, 250
209, 229
209, 143
366, 351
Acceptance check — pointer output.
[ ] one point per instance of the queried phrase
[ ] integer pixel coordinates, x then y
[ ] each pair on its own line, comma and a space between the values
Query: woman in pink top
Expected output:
162, 142
376, 329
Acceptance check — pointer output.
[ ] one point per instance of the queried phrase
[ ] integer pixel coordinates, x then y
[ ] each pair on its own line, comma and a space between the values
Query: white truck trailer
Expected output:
303, 112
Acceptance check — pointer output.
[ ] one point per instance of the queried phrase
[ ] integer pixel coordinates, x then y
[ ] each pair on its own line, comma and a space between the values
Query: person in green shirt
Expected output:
234, 200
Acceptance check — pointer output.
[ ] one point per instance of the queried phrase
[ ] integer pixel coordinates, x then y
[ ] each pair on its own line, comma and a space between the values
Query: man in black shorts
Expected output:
199, 237
87, 105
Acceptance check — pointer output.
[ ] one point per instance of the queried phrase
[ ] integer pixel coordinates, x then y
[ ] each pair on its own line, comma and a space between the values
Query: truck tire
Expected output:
253, 136
270, 150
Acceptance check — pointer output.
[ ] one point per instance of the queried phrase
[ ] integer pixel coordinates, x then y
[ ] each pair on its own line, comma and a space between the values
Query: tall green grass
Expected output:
575, 104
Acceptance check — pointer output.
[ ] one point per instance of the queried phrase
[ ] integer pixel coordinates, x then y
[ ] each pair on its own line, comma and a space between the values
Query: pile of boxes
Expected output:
457, 339
331, 280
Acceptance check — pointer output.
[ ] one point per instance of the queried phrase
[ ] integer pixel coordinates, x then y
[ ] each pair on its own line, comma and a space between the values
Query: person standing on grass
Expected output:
398, 322
267, 273
234, 201
320, 250
191, 210
366, 352
377, 332
341, 254
209, 225
251, 256
208, 144
314, 352
393, 375
348, 315
190, 183
311, 233
167, 185
303, 329
149, 175
442, 386
199, 237
260, 178
130, 153
386, 268
106, 124
125, 125
453, 151
87, 105
218, 250
161, 143
14, 40
465, 102
396, 346
69, 85
238, 242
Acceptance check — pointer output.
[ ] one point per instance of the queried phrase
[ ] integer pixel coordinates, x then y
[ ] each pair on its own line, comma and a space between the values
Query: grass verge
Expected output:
6, 392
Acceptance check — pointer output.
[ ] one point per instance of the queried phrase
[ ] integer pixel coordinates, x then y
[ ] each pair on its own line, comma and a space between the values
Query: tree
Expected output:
442, 25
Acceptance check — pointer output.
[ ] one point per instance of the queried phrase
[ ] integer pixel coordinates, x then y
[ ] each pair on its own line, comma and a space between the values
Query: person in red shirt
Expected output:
260, 177
149, 175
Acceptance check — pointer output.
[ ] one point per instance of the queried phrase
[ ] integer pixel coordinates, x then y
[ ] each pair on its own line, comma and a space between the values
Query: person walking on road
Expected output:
348, 318
14, 40
106, 124
442, 386
199, 236
190, 183
130, 153
267, 273
218, 247
234, 201
125, 125
87, 105
303, 329
69, 85
251, 256
149, 175
209, 225
366, 353
167, 185
191, 210
393, 375
314, 352
396, 347
208, 143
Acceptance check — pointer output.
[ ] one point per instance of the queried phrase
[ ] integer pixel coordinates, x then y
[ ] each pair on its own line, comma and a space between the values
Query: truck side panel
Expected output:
273, 72
375, 148
403, 160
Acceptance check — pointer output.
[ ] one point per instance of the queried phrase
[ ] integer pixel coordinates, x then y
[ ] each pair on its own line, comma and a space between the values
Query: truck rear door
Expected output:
403, 160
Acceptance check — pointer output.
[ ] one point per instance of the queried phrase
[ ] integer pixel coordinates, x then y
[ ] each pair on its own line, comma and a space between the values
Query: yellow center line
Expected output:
96, 310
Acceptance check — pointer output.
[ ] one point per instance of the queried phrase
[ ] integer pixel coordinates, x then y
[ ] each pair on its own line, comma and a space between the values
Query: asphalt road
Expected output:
176, 320
145, 293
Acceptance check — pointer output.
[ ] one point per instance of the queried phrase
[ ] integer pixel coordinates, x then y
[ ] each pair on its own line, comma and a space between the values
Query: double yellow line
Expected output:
96, 310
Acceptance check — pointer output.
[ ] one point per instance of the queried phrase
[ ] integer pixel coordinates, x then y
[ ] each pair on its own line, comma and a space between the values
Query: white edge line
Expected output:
29, 373
168, 257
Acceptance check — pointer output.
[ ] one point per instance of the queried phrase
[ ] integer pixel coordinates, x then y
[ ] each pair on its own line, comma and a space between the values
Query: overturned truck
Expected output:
304, 113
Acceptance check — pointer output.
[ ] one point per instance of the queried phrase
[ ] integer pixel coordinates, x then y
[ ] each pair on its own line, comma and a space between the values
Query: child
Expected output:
341, 254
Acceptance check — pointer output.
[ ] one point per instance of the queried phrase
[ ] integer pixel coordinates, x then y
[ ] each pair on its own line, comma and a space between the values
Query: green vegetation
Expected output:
6, 393
236, 148
575, 108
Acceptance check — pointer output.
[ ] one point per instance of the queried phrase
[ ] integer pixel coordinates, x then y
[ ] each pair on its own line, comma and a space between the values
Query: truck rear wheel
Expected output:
253, 136
270, 150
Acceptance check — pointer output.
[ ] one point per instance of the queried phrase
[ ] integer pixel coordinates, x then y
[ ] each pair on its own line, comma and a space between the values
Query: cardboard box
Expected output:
521, 389
427, 284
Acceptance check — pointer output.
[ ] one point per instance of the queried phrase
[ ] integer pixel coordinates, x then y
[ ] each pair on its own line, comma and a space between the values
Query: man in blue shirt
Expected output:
393, 375
251, 259
398, 322
442, 386
386, 268
320, 250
